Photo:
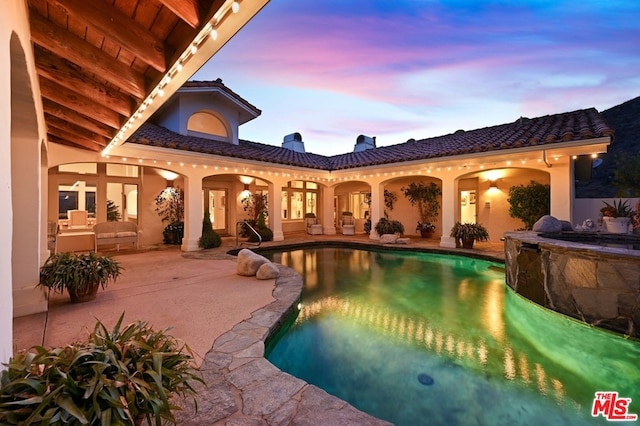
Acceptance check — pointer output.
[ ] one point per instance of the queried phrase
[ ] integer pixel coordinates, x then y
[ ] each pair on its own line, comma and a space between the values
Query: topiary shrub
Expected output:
210, 238
261, 228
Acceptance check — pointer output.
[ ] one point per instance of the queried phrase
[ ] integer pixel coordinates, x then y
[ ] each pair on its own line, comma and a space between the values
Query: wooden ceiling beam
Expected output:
67, 126
118, 27
66, 114
85, 106
56, 69
187, 10
88, 57
74, 142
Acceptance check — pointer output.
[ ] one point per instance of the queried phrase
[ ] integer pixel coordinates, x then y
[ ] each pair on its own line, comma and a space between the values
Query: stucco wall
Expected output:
22, 119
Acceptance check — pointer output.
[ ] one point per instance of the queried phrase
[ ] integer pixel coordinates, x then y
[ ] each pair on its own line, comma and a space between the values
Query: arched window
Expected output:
208, 123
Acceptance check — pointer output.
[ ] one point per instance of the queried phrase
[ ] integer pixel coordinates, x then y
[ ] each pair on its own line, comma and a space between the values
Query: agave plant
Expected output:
118, 377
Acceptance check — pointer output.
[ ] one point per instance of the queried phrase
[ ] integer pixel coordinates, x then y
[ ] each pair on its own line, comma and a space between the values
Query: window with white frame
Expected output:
299, 198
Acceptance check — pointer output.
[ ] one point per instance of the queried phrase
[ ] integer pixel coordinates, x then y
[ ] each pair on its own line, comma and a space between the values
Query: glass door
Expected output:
217, 205
468, 206
122, 202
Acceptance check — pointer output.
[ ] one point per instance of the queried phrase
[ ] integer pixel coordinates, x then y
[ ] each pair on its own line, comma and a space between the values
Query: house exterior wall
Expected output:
175, 116
23, 124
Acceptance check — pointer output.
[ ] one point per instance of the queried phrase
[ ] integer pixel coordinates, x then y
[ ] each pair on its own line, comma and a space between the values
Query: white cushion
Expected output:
106, 235
126, 234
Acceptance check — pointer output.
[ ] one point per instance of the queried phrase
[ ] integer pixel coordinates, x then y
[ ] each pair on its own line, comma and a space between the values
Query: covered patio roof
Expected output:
105, 66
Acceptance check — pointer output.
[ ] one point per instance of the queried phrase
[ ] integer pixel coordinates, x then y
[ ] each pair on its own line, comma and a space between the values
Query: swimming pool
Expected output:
418, 338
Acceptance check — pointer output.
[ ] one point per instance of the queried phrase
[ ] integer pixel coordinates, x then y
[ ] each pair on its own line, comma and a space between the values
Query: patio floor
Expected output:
200, 296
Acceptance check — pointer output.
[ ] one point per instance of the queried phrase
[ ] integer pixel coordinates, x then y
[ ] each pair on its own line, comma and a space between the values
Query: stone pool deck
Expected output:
242, 387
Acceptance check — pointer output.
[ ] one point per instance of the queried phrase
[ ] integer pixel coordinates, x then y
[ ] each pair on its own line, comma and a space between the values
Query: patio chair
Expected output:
52, 234
348, 225
78, 218
313, 227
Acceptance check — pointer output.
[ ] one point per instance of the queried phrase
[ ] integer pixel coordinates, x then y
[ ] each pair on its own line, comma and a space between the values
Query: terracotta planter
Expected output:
467, 243
89, 293
426, 234
617, 225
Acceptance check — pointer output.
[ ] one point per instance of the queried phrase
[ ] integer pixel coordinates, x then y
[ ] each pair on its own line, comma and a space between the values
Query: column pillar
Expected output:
448, 208
275, 206
193, 213
327, 215
377, 203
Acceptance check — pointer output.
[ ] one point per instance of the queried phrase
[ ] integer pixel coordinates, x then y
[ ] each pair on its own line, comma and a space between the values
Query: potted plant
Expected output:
468, 233
123, 376
170, 208
386, 226
80, 274
426, 197
617, 217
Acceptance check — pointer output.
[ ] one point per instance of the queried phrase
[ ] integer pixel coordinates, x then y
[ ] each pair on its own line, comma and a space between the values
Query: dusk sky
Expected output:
401, 69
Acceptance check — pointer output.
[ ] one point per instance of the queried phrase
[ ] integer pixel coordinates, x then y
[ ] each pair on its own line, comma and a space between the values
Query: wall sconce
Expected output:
493, 184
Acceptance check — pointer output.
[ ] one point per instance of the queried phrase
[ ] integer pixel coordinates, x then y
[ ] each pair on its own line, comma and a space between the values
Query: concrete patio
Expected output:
224, 318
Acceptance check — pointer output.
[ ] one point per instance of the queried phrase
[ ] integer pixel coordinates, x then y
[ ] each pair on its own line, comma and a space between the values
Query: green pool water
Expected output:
418, 338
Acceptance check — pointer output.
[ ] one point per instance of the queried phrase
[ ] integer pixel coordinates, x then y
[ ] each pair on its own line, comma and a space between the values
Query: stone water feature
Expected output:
596, 280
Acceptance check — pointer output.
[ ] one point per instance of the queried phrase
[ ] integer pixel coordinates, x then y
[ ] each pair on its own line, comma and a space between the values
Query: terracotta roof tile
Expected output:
546, 130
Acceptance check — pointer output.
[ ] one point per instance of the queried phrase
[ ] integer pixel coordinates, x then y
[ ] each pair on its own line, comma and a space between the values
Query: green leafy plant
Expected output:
113, 211
117, 377
261, 227
386, 226
79, 274
469, 231
170, 208
209, 238
618, 209
529, 203
390, 199
426, 197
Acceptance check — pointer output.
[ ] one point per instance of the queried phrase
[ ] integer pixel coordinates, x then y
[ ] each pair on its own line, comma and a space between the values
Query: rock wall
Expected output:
598, 285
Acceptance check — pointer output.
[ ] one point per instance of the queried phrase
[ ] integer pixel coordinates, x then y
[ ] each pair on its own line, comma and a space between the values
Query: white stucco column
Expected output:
326, 215
562, 189
377, 200
274, 207
193, 213
448, 207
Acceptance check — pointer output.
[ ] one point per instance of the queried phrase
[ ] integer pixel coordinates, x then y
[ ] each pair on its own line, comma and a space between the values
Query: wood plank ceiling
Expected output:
97, 60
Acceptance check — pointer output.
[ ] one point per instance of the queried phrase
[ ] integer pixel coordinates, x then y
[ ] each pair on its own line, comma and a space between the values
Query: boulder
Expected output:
547, 224
267, 271
249, 263
388, 238
566, 225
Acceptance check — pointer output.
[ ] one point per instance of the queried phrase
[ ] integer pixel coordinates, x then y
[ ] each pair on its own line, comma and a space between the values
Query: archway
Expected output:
26, 225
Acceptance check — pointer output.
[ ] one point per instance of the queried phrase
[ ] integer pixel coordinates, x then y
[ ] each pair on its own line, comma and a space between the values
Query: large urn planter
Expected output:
83, 294
79, 274
467, 243
617, 225
426, 234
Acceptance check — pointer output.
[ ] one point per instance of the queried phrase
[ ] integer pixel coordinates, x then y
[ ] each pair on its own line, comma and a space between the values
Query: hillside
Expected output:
624, 119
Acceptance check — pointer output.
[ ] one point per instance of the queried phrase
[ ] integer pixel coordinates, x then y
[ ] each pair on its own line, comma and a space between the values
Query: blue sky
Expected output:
401, 69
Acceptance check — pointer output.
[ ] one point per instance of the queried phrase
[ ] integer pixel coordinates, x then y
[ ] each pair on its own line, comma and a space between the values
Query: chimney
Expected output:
293, 142
364, 142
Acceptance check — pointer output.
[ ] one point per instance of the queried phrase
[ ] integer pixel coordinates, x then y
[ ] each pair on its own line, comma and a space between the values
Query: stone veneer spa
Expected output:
594, 283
